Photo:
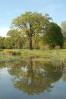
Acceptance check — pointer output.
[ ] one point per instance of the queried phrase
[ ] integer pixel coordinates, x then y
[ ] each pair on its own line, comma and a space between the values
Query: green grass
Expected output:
46, 53
38, 54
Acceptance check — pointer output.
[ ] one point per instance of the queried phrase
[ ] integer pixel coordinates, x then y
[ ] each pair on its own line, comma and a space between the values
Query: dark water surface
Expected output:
28, 79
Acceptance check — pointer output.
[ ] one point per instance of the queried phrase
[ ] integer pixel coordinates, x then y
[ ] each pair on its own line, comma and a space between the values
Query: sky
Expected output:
10, 9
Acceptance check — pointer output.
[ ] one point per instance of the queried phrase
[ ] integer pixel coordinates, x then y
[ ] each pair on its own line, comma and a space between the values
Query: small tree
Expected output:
53, 37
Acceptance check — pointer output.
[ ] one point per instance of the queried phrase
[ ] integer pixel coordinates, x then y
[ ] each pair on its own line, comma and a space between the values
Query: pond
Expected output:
32, 79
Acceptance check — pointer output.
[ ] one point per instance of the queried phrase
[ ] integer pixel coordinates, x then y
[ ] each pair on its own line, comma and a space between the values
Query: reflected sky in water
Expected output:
28, 79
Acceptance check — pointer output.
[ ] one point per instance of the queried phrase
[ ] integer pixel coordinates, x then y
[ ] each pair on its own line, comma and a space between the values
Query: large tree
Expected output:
31, 23
53, 37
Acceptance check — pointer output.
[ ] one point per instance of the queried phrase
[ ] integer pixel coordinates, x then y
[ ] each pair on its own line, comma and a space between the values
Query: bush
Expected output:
64, 45
10, 52
16, 53
45, 47
57, 47
7, 52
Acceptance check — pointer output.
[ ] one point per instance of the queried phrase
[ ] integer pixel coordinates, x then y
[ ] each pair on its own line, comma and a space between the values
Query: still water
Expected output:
28, 79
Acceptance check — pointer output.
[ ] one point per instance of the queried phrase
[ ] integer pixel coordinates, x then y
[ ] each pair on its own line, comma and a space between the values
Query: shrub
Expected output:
16, 53
7, 52
64, 45
57, 47
45, 47
10, 52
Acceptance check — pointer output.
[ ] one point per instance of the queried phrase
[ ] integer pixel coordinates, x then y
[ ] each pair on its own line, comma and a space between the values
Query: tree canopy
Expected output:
31, 23
54, 36
14, 38
34, 30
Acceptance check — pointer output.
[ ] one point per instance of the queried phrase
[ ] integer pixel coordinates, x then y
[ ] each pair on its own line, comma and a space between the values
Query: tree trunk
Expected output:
30, 43
30, 38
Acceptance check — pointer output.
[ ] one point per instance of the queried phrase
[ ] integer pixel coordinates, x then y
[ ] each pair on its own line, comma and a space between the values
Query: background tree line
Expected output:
34, 30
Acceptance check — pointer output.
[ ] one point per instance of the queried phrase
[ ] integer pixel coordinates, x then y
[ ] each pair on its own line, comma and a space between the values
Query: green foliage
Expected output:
16, 53
30, 24
63, 28
16, 38
8, 43
34, 30
2, 42
53, 37
13, 33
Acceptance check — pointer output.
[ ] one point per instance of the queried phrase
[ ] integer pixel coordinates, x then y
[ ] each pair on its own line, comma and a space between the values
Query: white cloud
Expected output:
3, 31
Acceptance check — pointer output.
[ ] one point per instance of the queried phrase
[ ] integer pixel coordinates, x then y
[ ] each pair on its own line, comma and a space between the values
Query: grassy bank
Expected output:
45, 54
57, 57
34, 53
15, 54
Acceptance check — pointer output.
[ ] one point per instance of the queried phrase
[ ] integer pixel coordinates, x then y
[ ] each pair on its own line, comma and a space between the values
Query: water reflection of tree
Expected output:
34, 77
64, 74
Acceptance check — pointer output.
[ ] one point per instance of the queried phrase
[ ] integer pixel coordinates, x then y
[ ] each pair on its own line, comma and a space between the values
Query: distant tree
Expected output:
8, 43
13, 33
31, 23
2, 42
16, 37
63, 28
54, 36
